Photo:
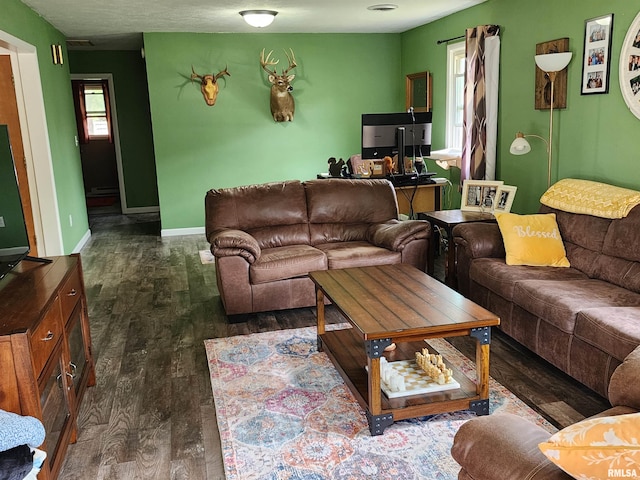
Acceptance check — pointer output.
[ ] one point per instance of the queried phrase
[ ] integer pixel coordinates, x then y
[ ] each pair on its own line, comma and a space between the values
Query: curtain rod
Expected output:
449, 39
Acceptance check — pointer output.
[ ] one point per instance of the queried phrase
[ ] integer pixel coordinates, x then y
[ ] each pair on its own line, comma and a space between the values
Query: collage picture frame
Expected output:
596, 60
479, 195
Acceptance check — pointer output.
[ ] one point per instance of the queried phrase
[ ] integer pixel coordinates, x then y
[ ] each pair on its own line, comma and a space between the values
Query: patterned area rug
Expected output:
206, 257
284, 412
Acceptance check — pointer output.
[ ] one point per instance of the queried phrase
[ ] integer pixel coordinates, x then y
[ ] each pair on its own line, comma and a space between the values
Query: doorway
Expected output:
98, 142
35, 142
9, 116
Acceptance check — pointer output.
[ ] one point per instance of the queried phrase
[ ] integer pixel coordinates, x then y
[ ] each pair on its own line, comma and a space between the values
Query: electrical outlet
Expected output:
70, 220
2, 222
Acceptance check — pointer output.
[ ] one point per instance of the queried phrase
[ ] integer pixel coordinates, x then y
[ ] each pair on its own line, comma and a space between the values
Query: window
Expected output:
455, 94
93, 115
96, 112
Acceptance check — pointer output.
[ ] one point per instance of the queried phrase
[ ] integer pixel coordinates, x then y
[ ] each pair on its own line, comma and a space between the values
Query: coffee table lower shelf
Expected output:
346, 350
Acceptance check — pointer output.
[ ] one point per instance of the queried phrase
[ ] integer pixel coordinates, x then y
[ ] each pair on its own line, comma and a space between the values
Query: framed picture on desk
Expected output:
504, 198
479, 195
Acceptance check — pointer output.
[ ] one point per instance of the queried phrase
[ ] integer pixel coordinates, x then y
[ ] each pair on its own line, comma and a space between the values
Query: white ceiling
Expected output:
118, 24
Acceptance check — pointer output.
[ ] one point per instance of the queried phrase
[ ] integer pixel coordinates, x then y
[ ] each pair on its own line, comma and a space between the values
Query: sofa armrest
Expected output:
395, 235
624, 388
474, 240
479, 240
502, 446
227, 243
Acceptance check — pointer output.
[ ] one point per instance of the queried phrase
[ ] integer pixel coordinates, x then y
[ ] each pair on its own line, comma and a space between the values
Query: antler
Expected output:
223, 72
292, 61
194, 74
266, 62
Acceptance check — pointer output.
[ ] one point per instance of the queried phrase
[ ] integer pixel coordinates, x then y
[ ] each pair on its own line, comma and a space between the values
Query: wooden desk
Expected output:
426, 198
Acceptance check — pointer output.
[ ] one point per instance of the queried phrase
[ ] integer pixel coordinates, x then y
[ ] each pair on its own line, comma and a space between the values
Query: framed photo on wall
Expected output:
596, 61
479, 195
504, 198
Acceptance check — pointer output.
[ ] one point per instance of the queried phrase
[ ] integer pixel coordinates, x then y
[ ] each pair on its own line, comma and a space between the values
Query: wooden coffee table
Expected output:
402, 305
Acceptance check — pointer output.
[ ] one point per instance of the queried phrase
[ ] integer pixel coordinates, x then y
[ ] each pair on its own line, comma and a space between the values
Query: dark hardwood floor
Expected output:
152, 304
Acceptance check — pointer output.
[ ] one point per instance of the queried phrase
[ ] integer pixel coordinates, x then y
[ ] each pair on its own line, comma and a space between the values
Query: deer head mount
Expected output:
282, 104
209, 85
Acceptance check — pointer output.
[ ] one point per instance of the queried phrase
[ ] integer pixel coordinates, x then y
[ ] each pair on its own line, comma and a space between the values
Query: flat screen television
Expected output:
384, 134
14, 242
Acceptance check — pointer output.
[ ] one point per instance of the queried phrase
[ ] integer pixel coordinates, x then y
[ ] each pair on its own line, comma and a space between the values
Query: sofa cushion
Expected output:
558, 302
286, 262
275, 214
500, 278
615, 330
342, 210
593, 448
357, 254
583, 237
532, 240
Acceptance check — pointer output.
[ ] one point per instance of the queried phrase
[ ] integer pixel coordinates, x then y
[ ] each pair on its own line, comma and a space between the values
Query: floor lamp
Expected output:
551, 64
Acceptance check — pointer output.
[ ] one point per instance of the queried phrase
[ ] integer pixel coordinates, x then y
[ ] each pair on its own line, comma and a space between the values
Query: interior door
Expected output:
9, 116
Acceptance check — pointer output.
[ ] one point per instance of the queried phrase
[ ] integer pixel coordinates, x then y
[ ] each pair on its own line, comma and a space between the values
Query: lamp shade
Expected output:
259, 18
553, 62
519, 146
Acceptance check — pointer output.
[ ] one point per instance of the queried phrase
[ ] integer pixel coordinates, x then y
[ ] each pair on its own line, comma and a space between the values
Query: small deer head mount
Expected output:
282, 104
209, 85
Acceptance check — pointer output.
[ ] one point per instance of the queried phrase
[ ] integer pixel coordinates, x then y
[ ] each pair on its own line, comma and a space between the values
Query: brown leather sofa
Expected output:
505, 446
584, 319
267, 238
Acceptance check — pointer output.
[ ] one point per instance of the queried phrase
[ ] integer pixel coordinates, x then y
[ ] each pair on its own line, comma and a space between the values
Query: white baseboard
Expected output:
172, 232
83, 241
132, 210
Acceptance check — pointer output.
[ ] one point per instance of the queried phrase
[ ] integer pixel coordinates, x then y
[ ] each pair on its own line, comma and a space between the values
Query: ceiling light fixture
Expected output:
383, 7
259, 18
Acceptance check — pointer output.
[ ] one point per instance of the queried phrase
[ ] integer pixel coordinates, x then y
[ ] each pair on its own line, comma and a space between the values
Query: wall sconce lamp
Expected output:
551, 64
259, 18
56, 54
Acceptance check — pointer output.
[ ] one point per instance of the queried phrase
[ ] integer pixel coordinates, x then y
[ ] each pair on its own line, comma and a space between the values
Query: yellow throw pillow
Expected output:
532, 240
598, 448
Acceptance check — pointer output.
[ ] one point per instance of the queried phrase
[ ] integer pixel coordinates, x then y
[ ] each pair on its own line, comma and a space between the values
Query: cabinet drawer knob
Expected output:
72, 293
49, 336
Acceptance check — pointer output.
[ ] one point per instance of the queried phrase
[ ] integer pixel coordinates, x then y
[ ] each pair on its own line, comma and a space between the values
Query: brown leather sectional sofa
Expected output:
505, 446
266, 238
584, 319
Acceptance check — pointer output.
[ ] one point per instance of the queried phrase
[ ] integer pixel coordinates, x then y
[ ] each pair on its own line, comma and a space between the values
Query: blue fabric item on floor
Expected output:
16, 430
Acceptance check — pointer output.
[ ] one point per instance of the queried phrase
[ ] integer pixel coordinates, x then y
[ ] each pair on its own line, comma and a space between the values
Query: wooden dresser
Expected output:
45, 350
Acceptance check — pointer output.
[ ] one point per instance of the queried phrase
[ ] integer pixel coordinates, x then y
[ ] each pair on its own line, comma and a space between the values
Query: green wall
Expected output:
595, 137
236, 142
134, 118
21, 22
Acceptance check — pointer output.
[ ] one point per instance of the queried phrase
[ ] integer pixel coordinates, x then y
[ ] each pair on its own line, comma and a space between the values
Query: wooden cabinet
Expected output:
45, 350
